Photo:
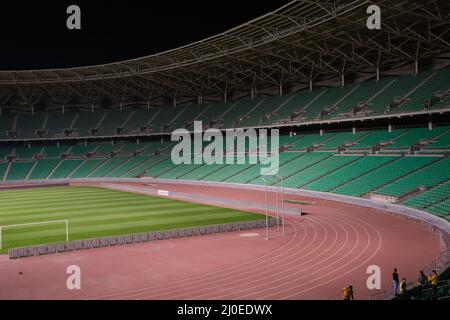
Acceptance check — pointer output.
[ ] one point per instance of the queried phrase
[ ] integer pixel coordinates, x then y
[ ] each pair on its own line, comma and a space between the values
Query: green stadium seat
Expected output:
383, 175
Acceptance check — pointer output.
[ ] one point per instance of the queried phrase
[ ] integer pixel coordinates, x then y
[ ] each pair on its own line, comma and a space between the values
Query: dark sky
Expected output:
33, 34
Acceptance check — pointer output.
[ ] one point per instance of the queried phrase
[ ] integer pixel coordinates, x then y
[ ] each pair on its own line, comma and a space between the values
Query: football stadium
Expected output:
301, 155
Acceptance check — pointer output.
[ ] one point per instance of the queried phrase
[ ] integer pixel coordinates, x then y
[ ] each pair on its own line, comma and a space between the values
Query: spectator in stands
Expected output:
347, 293
423, 280
434, 280
403, 286
395, 282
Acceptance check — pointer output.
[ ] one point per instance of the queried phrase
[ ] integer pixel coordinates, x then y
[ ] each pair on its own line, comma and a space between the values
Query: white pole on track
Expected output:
267, 210
67, 230
282, 202
278, 205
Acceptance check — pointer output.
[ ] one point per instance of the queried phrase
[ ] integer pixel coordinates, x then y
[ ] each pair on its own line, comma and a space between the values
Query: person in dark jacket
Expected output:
395, 282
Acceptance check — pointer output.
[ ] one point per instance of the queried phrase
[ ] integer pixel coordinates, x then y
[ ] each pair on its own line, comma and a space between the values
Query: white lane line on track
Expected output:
252, 268
255, 273
311, 288
209, 274
279, 265
297, 263
345, 273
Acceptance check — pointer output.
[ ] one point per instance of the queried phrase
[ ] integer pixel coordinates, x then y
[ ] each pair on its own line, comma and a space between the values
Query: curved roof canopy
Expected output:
303, 40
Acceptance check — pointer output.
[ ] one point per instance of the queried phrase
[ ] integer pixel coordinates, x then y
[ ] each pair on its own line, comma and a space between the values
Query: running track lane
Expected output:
323, 251
320, 251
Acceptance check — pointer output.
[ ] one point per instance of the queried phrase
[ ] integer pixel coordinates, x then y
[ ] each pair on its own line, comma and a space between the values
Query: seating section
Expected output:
55, 151
87, 121
86, 168
131, 163
293, 108
437, 82
260, 114
310, 140
3, 167
441, 208
298, 164
65, 168
426, 177
442, 142
107, 166
353, 170
434, 199
359, 96
342, 139
42, 168
413, 136
388, 173
409, 92
27, 153
327, 101
409, 164
113, 120
253, 170
6, 124
142, 167
27, 124
318, 170
57, 123
19, 170
374, 138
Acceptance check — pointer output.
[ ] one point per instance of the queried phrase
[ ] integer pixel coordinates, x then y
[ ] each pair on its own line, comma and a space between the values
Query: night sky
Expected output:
33, 34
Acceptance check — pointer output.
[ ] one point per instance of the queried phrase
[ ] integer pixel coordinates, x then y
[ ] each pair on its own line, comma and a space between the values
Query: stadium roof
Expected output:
301, 41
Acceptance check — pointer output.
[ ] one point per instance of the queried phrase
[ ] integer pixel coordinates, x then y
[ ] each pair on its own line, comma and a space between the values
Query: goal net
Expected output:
34, 233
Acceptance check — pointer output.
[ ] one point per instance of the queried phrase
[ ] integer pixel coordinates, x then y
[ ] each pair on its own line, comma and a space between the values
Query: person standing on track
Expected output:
422, 278
347, 293
403, 286
434, 280
395, 282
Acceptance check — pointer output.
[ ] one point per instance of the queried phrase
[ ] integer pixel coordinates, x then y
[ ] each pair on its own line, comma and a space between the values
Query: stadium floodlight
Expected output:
282, 201
66, 222
267, 210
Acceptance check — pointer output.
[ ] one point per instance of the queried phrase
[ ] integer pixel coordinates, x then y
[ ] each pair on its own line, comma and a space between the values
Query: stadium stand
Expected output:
6, 121
86, 168
59, 124
87, 124
408, 163
352, 171
381, 176
64, 169
414, 136
433, 174
3, 167
374, 138
390, 95
19, 170
42, 168
27, 125
431, 197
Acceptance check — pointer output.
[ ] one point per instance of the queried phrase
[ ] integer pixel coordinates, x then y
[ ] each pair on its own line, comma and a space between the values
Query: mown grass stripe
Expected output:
94, 212
100, 213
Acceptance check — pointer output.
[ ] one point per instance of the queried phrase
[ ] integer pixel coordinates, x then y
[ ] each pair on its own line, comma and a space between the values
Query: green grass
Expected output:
94, 212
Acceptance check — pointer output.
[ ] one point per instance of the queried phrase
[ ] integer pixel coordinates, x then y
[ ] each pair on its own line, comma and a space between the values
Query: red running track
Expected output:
323, 251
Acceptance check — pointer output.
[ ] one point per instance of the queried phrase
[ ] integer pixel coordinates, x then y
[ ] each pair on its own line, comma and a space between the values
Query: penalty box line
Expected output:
66, 221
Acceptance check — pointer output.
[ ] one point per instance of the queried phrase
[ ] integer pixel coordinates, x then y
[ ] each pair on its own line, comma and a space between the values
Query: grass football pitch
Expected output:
94, 212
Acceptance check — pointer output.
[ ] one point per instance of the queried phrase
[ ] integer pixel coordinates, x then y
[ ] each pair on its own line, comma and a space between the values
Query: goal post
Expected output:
9, 226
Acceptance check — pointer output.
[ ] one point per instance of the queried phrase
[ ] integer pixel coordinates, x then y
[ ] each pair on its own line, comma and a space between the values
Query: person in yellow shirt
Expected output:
403, 286
347, 293
433, 279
